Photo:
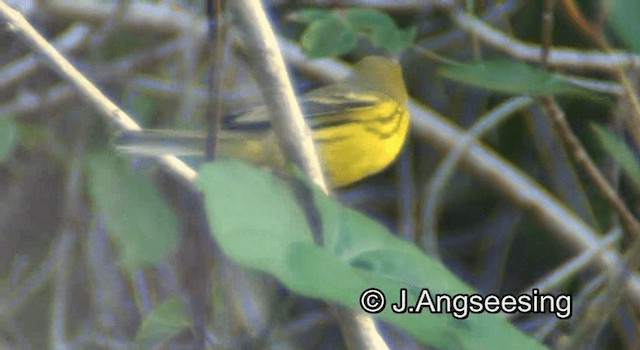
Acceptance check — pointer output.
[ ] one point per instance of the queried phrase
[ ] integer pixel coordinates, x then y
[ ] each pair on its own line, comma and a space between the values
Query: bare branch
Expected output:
558, 57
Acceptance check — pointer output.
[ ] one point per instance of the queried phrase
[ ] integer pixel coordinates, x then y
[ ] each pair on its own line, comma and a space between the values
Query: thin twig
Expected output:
572, 9
558, 57
595, 85
114, 307
598, 309
435, 189
217, 31
20, 68
547, 31
27, 102
21, 293
584, 160
61, 294
630, 93
110, 25
562, 273
190, 46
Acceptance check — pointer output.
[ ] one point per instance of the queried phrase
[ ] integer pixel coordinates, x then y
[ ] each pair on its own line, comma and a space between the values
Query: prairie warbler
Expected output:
359, 126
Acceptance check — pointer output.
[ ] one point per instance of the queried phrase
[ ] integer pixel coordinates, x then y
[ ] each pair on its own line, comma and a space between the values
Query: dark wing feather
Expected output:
317, 109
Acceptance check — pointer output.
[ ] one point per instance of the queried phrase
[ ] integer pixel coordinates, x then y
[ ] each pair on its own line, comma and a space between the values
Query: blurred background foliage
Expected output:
104, 251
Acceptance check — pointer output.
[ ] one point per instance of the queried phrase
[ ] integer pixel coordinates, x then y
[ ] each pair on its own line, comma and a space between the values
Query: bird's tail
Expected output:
159, 142
258, 148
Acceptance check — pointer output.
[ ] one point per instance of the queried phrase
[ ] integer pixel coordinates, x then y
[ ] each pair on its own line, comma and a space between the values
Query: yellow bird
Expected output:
358, 124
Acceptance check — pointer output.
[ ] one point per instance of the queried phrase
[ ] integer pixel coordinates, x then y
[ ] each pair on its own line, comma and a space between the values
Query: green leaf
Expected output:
257, 222
165, 320
328, 37
621, 153
135, 214
332, 33
256, 218
8, 136
370, 20
401, 40
510, 77
623, 17
381, 28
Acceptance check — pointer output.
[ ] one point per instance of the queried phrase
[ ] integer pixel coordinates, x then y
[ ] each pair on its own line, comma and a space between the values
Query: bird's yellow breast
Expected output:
365, 145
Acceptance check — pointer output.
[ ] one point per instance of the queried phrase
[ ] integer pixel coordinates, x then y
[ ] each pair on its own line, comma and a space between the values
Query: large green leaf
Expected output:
257, 222
511, 77
256, 218
135, 214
